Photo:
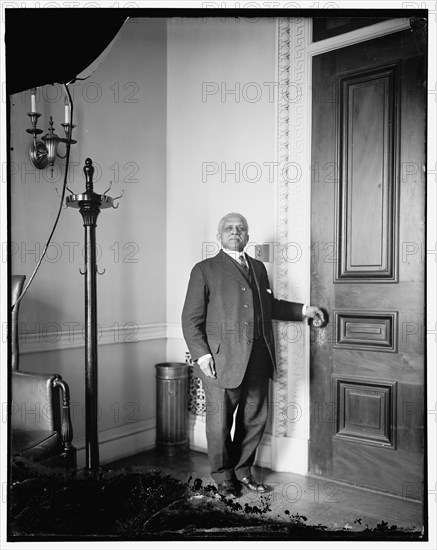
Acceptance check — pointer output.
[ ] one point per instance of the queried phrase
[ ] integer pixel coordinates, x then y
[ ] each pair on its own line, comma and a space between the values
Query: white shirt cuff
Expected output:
207, 356
304, 310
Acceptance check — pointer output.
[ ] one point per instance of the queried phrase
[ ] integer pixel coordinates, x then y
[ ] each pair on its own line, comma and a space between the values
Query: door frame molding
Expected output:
291, 392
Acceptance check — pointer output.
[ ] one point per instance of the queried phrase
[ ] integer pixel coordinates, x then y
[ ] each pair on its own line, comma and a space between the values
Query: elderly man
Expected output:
227, 325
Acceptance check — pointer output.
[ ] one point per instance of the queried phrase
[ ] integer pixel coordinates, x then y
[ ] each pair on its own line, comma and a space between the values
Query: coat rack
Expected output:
89, 204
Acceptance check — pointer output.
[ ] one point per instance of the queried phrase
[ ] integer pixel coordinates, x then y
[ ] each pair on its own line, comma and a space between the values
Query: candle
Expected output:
67, 110
33, 100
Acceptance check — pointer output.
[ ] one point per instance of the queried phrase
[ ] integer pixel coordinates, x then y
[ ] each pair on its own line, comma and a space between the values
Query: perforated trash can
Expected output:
172, 407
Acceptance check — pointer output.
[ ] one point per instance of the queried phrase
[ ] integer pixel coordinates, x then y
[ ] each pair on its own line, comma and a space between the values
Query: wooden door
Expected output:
367, 222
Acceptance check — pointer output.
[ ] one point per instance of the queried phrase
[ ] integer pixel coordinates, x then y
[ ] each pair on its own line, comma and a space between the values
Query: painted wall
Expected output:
181, 115
221, 141
120, 117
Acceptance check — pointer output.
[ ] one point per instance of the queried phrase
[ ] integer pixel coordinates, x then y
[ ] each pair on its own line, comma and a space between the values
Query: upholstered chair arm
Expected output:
66, 425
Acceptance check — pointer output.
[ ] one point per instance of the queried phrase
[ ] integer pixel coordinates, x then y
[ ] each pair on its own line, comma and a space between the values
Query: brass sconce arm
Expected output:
45, 150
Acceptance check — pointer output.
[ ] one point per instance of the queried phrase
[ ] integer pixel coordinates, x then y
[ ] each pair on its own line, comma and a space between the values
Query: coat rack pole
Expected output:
89, 204
89, 214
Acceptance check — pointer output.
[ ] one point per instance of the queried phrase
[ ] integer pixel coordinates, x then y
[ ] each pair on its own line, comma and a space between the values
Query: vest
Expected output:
257, 317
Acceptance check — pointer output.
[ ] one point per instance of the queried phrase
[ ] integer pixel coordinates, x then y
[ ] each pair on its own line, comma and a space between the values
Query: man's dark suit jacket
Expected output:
218, 316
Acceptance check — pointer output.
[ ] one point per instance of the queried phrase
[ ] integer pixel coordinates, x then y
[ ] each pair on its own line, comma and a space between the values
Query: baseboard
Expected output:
289, 454
121, 441
197, 433
280, 454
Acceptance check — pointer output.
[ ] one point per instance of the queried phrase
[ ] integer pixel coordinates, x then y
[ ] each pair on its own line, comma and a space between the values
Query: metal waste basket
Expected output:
172, 407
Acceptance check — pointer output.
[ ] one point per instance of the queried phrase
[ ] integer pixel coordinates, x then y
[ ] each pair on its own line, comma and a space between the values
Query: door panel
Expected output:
368, 132
368, 212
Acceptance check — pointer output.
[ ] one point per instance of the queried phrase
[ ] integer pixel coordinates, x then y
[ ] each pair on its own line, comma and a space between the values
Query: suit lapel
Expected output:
253, 266
230, 267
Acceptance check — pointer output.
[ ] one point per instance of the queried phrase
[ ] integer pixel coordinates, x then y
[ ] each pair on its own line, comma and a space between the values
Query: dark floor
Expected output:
333, 504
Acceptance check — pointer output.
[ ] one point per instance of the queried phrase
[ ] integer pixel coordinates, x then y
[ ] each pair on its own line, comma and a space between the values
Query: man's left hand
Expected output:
314, 312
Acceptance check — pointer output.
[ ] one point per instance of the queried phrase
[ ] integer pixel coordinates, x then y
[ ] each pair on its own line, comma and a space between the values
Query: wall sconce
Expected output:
45, 150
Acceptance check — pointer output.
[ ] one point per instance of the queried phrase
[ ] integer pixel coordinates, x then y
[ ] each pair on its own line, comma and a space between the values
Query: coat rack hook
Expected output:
110, 185
119, 197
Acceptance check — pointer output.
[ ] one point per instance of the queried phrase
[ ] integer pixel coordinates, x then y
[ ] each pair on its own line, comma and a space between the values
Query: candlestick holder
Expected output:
45, 150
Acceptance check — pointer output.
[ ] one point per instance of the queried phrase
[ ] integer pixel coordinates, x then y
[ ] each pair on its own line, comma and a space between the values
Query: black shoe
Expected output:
227, 489
253, 485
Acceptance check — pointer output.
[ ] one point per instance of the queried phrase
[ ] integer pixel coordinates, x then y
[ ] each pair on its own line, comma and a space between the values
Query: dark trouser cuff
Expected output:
243, 472
219, 477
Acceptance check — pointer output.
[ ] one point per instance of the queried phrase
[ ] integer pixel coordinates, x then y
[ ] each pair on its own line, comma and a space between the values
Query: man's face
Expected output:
234, 235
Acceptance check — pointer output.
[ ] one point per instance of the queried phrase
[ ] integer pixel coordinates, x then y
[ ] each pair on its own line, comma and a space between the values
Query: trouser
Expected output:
236, 456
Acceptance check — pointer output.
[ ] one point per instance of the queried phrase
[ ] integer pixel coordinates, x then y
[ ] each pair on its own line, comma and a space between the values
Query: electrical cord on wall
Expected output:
64, 187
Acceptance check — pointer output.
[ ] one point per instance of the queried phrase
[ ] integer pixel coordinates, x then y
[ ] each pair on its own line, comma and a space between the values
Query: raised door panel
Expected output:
367, 187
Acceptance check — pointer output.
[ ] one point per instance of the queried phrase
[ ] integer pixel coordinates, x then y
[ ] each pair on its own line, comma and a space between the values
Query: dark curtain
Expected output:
44, 46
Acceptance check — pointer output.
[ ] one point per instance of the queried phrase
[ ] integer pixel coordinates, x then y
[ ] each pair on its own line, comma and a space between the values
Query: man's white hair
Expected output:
231, 214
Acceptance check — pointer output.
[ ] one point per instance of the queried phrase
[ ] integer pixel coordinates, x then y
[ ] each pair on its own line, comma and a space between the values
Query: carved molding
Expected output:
291, 275
281, 265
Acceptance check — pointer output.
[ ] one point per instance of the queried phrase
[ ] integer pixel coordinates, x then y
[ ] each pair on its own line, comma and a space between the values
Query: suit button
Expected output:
249, 341
246, 306
243, 288
246, 323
